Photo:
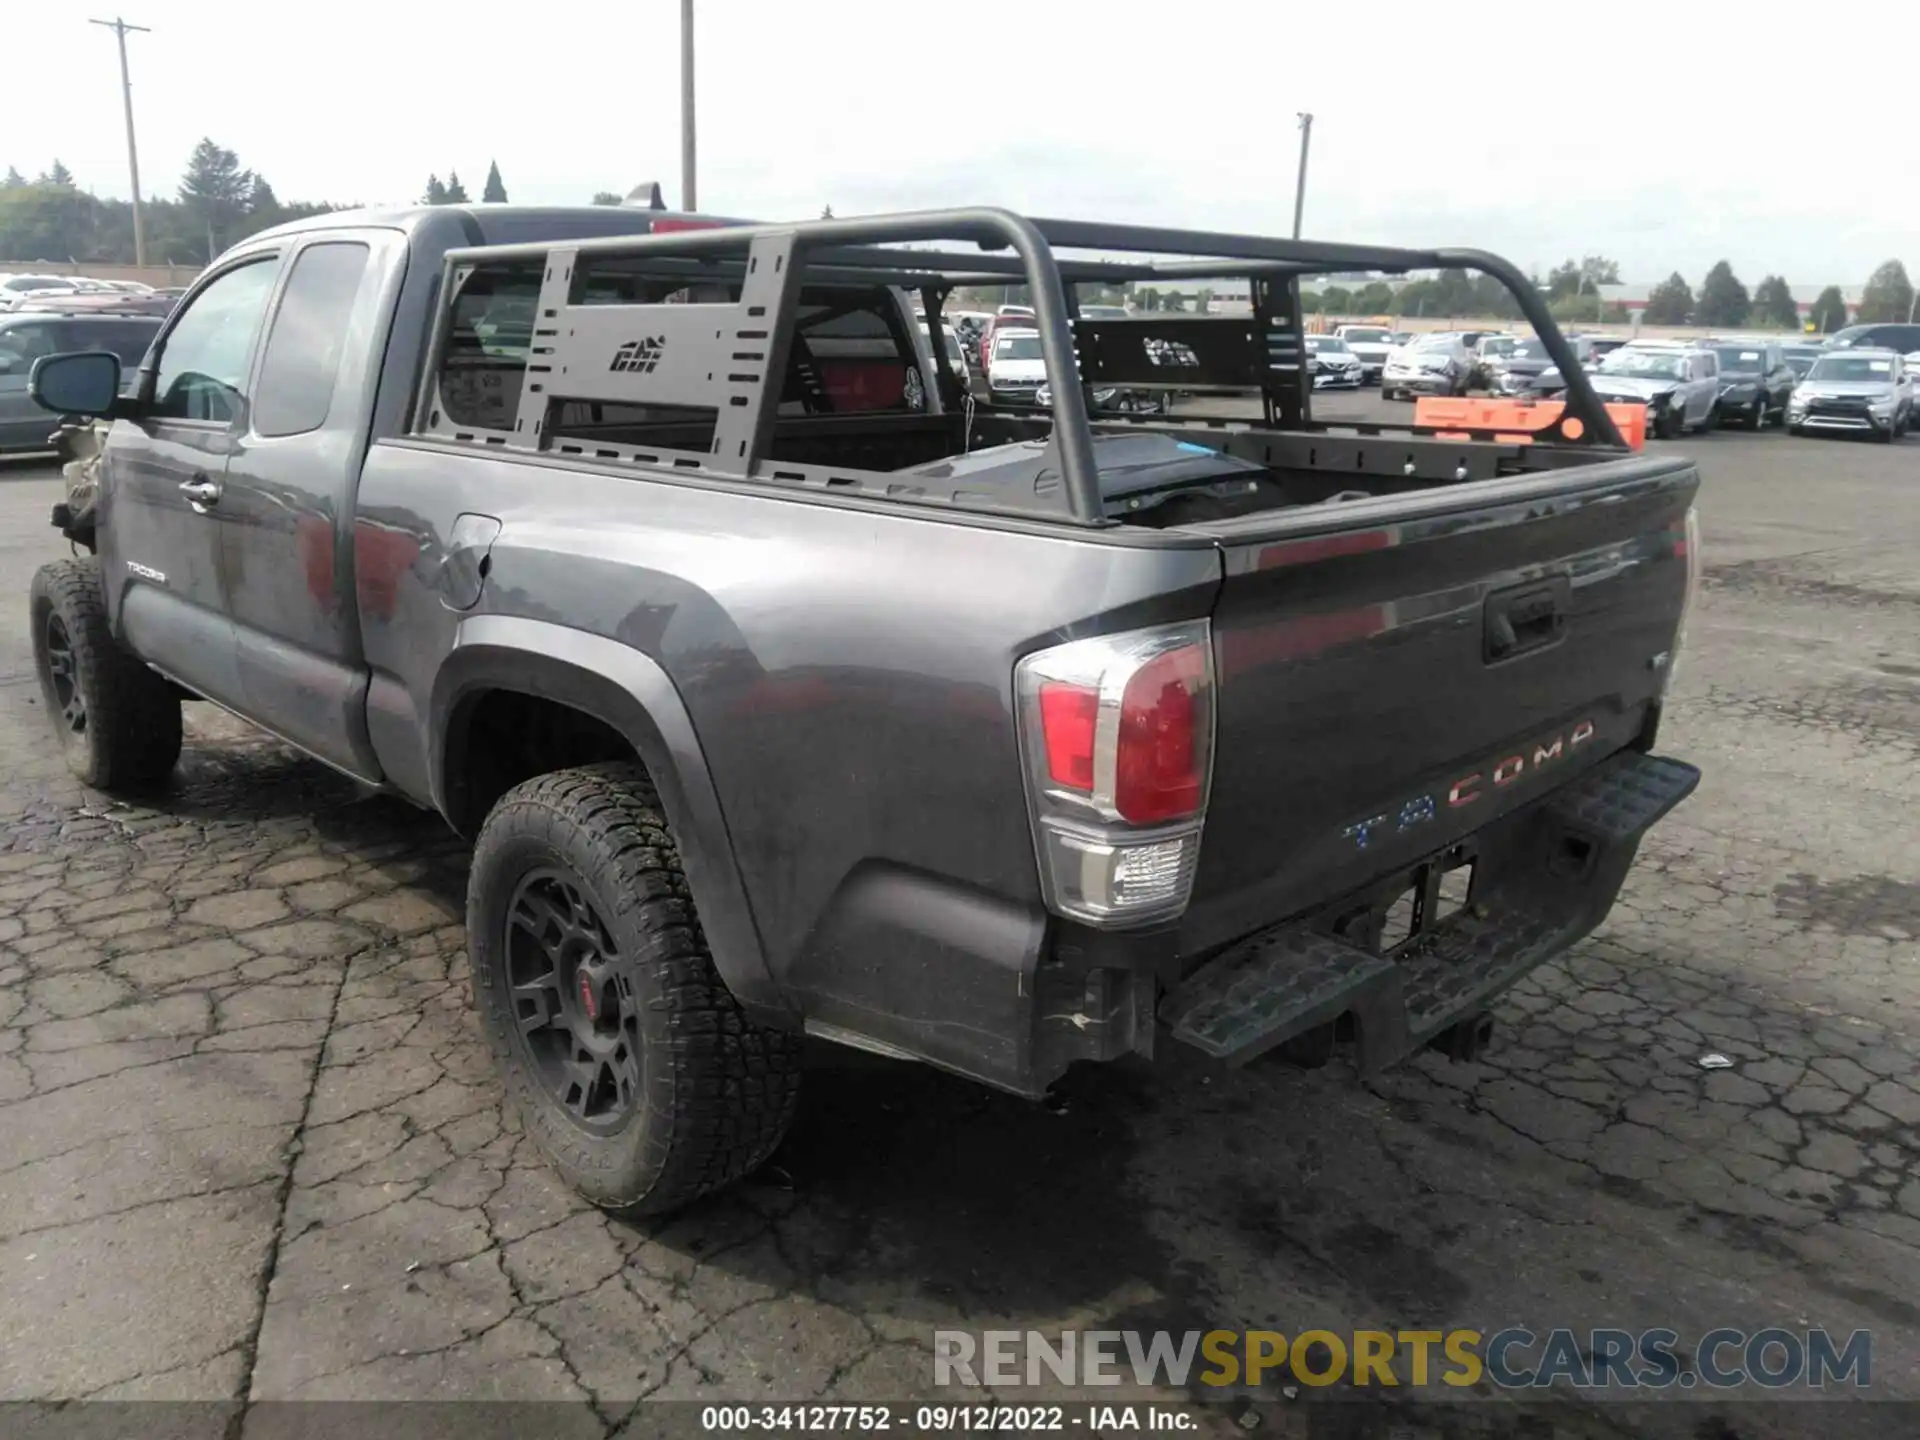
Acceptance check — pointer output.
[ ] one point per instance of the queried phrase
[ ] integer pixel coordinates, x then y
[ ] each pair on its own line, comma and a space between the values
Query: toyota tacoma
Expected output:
785, 689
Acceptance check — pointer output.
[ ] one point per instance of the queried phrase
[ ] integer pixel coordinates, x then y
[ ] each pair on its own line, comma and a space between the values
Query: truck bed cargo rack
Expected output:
724, 352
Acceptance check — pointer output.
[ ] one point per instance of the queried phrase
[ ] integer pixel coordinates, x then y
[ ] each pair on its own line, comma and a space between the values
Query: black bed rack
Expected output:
726, 351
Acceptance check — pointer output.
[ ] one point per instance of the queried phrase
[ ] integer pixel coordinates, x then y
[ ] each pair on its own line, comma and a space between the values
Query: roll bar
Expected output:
747, 342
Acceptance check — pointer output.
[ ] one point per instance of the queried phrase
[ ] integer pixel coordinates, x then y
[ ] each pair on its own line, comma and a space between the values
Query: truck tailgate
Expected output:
1389, 688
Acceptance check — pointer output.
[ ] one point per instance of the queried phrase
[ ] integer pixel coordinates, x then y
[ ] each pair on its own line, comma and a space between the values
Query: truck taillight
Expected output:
1687, 550
1118, 735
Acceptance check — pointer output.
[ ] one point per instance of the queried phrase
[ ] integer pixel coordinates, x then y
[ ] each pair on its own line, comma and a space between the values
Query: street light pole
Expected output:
120, 29
1300, 185
686, 106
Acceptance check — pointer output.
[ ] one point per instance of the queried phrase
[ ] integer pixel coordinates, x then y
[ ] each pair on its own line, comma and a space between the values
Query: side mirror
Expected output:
84, 383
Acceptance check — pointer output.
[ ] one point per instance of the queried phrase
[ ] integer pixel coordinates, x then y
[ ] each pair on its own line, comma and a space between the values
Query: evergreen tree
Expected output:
1889, 294
1671, 302
1773, 304
1723, 299
456, 192
495, 193
1829, 310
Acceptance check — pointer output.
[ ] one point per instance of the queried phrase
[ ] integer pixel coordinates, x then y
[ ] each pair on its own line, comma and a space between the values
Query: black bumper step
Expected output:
1282, 982
1622, 799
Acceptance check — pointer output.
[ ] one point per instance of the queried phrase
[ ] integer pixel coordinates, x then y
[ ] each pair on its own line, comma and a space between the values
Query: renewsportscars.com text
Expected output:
1774, 1358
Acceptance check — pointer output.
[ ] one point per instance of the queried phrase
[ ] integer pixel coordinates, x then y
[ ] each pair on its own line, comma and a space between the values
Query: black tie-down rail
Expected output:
1560, 867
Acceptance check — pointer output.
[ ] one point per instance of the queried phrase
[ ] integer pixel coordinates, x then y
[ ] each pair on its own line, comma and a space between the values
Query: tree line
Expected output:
218, 202
1573, 294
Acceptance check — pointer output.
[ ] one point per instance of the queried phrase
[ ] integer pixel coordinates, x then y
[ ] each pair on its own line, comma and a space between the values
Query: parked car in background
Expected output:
1901, 338
1438, 364
15, 288
1018, 367
1372, 343
1489, 349
1678, 382
1332, 363
1119, 399
1527, 370
1800, 358
956, 352
996, 326
1866, 392
104, 302
26, 336
1755, 381
969, 325
1104, 312
1605, 345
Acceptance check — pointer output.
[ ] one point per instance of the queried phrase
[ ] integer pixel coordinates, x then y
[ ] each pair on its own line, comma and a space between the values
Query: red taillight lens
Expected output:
1158, 762
669, 227
1068, 716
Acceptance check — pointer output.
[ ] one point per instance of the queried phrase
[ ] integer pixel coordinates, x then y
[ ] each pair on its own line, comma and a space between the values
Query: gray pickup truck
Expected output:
786, 690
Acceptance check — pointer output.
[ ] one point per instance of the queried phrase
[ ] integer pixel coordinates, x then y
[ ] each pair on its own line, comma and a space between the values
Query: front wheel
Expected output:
631, 1064
118, 721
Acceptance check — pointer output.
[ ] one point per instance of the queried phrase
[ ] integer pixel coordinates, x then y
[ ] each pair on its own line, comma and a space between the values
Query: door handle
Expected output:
201, 491
1529, 617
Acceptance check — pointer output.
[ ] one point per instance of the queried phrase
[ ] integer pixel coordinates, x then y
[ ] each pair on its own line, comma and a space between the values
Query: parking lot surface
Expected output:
251, 1144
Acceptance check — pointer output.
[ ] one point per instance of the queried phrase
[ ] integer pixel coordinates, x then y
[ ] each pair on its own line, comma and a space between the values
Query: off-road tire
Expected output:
118, 721
717, 1090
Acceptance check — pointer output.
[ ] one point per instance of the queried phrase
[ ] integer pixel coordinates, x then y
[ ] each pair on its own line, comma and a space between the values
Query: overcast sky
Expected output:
1648, 133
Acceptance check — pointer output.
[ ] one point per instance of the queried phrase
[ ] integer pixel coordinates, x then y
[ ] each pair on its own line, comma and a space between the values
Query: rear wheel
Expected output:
630, 1062
118, 721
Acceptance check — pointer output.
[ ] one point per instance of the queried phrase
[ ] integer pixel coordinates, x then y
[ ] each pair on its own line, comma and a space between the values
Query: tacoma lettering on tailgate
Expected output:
1489, 778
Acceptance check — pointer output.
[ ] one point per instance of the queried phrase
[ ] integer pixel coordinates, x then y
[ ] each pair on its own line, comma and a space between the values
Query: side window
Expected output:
21, 345
203, 366
309, 332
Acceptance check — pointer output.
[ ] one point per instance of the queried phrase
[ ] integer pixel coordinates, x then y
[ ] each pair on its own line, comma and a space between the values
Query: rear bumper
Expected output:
919, 969
1424, 382
1544, 877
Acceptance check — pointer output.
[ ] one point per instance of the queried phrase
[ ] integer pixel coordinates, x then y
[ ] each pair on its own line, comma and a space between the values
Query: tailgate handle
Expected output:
1529, 617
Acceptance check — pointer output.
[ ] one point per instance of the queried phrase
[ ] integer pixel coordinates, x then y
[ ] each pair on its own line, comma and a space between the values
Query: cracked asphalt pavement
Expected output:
251, 1147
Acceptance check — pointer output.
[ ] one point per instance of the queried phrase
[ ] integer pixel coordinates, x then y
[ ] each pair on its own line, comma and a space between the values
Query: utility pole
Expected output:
1300, 187
120, 29
686, 106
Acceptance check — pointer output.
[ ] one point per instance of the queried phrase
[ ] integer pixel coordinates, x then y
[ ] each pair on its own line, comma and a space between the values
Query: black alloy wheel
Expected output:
573, 996
63, 677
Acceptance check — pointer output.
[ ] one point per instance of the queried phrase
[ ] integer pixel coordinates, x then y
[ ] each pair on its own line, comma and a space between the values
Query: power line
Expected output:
120, 29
